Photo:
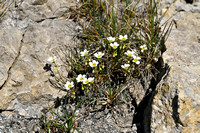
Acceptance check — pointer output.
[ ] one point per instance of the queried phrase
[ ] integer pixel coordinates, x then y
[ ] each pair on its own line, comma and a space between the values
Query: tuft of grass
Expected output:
61, 122
120, 41
139, 20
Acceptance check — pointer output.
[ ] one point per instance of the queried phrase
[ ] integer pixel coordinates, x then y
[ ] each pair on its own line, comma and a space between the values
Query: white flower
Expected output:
91, 80
125, 66
69, 85
143, 47
85, 81
99, 55
155, 59
123, 38
130, 53
111, 39
114, 45
136, 60
52, 59
84, 53
93, 63
80, 78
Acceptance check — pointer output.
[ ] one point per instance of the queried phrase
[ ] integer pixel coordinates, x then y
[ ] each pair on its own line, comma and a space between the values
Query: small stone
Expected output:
195, 9
164, 12
38, 2
183, 7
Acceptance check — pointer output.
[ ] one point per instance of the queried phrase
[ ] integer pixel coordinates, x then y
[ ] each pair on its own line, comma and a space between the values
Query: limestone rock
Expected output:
30, 31
9, 47
117, 120
188, 6
176, 102
13, 123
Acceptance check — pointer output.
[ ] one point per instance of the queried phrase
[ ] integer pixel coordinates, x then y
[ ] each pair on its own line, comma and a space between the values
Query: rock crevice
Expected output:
13, 63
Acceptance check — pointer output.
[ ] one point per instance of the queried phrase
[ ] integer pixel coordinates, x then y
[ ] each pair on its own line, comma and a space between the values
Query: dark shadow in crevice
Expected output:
189, 1
139, 112
142, 121
7, 110
175, 114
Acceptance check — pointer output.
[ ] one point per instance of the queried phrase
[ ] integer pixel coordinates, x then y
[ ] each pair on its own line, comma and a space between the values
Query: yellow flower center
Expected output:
85, 54
129, 54
143, 48
123, 39
94, 64
111, 40
135, 60
69, 86
125, 68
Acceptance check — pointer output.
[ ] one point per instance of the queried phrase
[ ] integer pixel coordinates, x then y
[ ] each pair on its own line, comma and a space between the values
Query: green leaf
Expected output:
62, 118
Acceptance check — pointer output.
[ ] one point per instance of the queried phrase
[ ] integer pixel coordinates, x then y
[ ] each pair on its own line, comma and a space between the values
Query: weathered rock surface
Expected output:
184, 5
12, 123
176, 101
116, 120
30, 30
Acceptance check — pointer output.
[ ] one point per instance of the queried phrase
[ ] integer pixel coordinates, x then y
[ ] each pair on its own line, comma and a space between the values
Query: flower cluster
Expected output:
84, 80
81, 78
114, 44
125, 66
93, 63
132, 54
97, 63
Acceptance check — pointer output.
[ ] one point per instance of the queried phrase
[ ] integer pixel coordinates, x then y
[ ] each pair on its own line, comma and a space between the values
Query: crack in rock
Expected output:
14, 62
6, 110
175, 113
43, 19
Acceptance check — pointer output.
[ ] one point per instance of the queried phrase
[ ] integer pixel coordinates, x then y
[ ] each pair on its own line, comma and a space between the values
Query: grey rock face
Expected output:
176, 102
13, 123
30, 31
190, 6
117, 120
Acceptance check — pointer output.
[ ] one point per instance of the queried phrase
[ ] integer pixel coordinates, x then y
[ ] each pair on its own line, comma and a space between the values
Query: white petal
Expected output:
138, 62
